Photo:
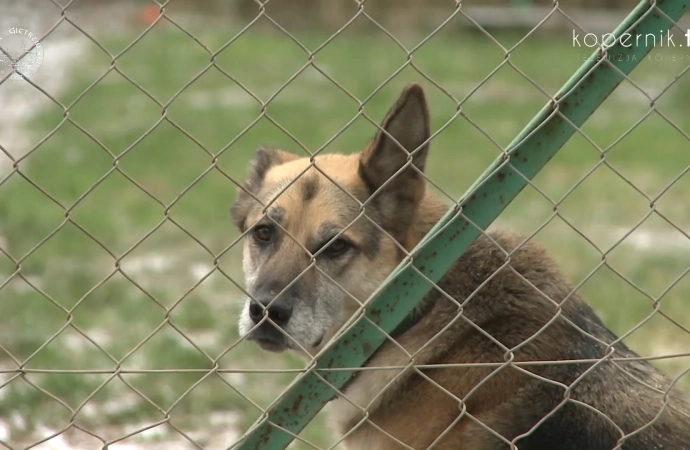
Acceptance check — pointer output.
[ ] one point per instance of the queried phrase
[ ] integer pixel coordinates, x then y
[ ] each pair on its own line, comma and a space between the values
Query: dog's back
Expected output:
560, 404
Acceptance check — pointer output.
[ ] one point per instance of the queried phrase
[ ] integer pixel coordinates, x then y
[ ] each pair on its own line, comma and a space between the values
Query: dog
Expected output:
311, 258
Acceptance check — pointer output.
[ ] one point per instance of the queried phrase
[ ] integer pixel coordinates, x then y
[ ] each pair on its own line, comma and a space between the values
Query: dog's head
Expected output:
312, 253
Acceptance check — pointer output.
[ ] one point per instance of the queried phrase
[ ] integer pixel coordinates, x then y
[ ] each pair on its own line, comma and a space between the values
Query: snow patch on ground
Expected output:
21, 101
219, 433
651, 240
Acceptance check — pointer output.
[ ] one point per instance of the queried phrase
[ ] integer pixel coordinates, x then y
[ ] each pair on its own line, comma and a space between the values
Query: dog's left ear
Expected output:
265, 159
398, 192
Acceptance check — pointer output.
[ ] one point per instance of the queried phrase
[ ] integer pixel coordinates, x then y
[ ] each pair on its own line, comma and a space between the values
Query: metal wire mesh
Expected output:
79, 383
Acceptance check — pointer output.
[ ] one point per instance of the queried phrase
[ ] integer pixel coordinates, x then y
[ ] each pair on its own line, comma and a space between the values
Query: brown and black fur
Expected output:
516, 307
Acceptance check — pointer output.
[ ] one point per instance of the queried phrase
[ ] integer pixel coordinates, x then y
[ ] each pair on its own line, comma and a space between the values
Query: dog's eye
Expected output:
263, 233
338, 247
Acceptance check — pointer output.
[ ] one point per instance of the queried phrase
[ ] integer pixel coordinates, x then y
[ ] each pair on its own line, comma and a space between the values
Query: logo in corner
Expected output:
21, 53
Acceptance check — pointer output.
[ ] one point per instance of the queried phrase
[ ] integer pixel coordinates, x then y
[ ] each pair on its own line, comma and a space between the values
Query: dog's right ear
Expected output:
265, 159
404, 136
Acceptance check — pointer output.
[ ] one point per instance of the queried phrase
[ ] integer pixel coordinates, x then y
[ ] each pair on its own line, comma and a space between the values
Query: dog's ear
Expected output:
407, 131
265, 159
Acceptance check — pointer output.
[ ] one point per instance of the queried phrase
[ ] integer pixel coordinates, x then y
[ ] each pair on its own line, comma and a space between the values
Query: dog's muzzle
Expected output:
269, 334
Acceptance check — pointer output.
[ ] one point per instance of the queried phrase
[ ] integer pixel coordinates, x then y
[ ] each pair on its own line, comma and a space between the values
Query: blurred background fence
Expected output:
120, 277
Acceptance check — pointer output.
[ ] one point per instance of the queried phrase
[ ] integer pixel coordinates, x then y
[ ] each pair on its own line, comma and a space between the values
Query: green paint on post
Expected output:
455, 232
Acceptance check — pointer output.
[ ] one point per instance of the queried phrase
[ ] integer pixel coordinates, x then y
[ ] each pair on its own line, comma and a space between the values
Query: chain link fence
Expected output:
121, 271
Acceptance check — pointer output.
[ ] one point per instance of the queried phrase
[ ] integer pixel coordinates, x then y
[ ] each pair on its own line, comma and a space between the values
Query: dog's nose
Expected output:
279, 311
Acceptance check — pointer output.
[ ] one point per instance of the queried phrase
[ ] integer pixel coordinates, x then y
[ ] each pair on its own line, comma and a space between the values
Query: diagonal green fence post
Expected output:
447, 241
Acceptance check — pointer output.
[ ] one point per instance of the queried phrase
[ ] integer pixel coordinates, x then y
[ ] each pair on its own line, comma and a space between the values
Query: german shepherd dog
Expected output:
311, 259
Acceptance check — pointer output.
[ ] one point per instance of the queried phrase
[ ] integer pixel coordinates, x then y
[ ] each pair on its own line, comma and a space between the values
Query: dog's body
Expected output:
514, 313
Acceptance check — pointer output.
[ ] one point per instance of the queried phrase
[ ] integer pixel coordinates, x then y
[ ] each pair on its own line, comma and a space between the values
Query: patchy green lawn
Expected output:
113, 227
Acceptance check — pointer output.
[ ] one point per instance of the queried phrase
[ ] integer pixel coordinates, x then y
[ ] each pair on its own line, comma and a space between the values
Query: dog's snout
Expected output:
279, 311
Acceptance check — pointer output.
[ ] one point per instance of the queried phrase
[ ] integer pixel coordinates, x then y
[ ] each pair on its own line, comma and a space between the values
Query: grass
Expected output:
162, 216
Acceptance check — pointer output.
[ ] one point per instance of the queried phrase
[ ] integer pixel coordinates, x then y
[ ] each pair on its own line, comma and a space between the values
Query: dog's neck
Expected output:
430, 210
